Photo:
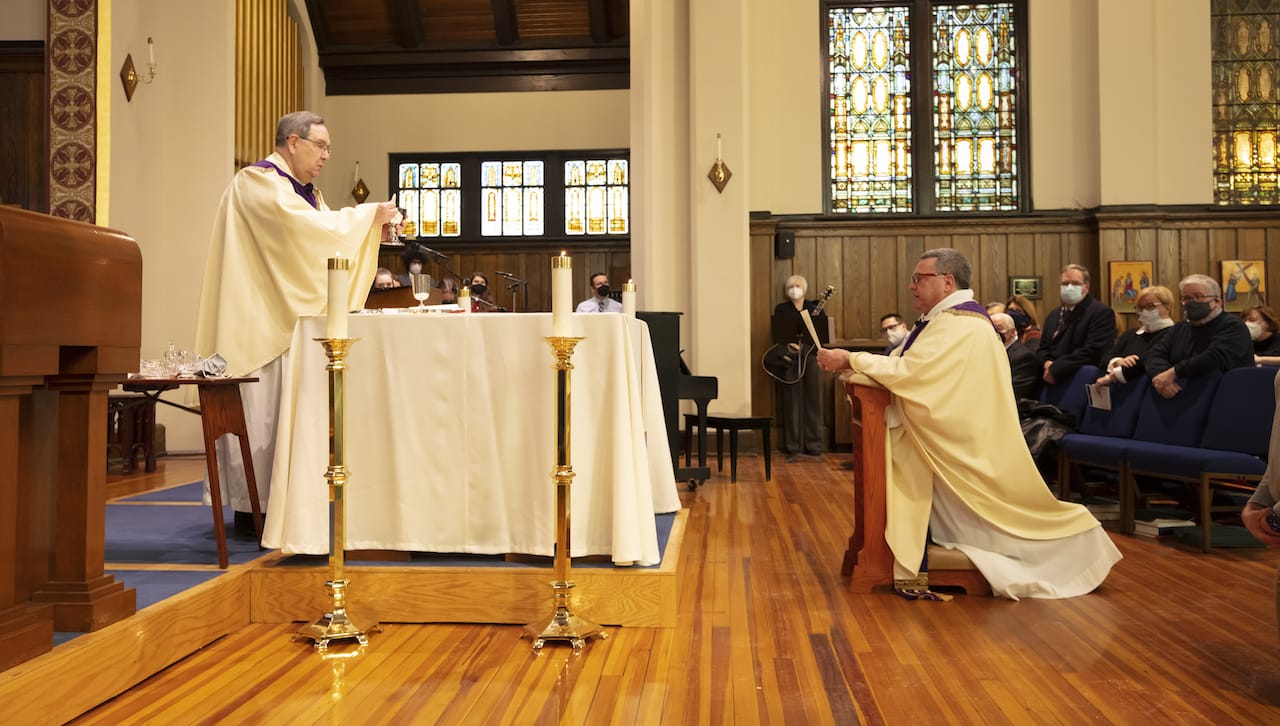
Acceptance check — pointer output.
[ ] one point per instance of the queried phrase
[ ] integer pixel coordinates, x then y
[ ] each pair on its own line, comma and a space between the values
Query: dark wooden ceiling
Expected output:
450, 46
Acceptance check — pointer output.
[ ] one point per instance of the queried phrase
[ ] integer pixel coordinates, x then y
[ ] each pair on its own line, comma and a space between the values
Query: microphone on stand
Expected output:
433, 253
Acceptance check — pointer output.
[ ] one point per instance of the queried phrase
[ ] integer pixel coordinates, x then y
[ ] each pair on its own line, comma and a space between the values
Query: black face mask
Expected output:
602, 291
1020, 319
478, 288
1196, 309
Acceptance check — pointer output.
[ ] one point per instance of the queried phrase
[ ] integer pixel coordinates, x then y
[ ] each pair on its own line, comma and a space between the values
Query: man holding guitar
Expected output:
791, 361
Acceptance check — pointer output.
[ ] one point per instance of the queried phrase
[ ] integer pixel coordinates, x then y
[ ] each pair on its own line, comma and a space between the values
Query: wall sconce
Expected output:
129, 74
719, 174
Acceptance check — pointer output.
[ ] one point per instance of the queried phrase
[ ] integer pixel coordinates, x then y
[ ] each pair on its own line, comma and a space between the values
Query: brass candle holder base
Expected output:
336, 625
563, 625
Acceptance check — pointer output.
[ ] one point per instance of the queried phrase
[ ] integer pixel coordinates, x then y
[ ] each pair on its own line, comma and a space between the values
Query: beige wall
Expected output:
23, 19
170, 160
1064, 104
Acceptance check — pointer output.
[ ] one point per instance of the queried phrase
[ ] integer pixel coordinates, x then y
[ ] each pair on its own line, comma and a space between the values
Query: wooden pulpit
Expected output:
70, 331
868, 558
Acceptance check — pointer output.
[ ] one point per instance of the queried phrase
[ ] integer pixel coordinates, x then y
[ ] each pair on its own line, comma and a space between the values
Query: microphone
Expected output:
507, 275
433, 253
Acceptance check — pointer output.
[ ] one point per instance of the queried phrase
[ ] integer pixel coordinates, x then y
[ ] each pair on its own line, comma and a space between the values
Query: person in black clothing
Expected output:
1206, 341
799, 375
1127, 360
1077, 334
1263, 328
1024, 367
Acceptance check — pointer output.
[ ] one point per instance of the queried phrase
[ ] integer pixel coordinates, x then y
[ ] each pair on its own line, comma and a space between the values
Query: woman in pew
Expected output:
1025, 319
1263, 327
1125, 362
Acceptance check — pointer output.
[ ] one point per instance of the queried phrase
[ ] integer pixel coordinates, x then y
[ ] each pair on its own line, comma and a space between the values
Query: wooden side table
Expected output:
221, 412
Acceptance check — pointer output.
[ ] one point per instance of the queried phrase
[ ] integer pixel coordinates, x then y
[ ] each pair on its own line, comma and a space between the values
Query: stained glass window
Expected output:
597, 196
968, 58
431, 195
512, 195
1246, 60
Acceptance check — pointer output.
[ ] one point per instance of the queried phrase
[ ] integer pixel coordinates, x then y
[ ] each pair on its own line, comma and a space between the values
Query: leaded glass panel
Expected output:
512, 194
974, 108
1246, 61
429, 195
597, 196
869, 109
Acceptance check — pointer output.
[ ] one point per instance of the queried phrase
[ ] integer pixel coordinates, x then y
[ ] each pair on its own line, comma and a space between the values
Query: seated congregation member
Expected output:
384, 280
995, 307
599, 302
448, 291
1263, 329
1026, 319
894, 331
481, 302
1208, 340
1260, 514
1128, 358
1077, 334
414, 262
1023, 365
953, 474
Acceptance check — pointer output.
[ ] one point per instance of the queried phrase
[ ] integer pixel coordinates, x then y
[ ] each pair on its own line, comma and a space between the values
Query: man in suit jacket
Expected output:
1077, 334
1023, 364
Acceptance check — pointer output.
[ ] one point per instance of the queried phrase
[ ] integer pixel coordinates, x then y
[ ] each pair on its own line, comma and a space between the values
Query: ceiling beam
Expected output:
407, 17
598, 11
453, 71
319, 28
505, 24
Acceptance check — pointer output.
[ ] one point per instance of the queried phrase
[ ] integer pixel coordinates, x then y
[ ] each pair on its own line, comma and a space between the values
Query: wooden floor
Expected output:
769, 634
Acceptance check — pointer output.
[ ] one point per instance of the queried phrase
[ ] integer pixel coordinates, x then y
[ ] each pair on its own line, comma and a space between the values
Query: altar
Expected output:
451, 438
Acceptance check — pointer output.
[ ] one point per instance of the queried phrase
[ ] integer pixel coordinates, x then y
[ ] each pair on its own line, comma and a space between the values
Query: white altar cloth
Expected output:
451, 438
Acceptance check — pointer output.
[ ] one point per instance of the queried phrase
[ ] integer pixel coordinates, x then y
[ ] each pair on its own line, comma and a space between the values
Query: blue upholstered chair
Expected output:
1070, 395
1103, 435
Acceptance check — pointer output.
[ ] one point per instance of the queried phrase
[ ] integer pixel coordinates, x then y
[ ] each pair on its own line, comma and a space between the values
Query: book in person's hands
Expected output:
1099, 395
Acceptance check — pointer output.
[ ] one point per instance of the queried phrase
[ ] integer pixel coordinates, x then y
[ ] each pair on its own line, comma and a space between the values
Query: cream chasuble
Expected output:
953, 422
266, 266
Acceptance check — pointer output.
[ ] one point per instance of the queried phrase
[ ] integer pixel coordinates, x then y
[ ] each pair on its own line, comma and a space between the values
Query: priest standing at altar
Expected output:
959, 472
267, 266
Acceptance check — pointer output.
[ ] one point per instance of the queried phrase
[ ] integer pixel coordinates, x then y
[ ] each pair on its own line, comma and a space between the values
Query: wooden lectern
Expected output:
70, 330
868, 558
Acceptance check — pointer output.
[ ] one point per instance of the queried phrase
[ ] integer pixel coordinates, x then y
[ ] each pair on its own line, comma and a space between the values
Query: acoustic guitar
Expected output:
778, 359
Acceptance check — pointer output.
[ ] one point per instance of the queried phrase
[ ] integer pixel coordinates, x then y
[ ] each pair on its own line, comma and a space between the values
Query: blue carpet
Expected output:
181, 534
193, 492
156, 585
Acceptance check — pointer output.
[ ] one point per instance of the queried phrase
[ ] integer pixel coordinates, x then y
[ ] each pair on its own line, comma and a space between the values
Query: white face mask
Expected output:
1148, 317
795, 293
1072, 294
1255, 329
896, 335
415, 268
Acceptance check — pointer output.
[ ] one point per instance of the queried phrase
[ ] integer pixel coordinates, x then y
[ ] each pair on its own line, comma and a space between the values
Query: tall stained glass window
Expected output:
965, 58
431, 196
596, 196
512, 194
1246, 61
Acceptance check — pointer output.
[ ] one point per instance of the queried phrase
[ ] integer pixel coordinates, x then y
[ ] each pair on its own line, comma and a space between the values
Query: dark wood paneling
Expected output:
24, 178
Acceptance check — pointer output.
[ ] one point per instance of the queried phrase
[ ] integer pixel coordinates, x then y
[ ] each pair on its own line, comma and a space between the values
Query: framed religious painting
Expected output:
1028, 287
1244, 284
1125, 279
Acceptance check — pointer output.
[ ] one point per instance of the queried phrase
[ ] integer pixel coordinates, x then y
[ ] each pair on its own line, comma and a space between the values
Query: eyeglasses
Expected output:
1198, 297
1152, 306
324, 148
916, 277
884, 330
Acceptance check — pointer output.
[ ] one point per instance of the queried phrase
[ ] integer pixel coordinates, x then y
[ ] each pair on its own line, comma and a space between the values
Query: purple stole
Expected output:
968, 305
307, 191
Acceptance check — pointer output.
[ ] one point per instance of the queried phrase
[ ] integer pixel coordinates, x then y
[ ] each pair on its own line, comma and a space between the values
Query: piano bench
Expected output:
131, 430
733, 424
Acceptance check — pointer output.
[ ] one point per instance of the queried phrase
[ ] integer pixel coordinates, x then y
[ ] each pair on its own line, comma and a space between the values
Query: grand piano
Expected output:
70, 331
677, 383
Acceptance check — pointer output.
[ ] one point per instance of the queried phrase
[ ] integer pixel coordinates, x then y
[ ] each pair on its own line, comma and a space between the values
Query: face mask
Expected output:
602, 291
1148, 317
1072, 294
415, 268
795, 293
478, 288
1020, 319
1255, 329
1196, 310
896, 335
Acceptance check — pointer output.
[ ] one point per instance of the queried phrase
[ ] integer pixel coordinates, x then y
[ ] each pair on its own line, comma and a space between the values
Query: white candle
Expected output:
718, 147
464, 299
339, 289
151, 51
562, 296
629, 299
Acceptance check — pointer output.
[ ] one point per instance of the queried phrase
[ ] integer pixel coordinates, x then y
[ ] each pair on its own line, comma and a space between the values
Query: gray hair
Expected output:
1210, 284
798, 279
298, 122
1084, 271
951, 262
1005, 318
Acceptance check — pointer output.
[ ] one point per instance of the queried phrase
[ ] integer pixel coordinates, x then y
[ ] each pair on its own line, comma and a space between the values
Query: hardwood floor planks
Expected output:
769, 633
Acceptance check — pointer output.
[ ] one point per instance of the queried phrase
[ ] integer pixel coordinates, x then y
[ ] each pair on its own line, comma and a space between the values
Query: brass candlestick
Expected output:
563, 625
336, 624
